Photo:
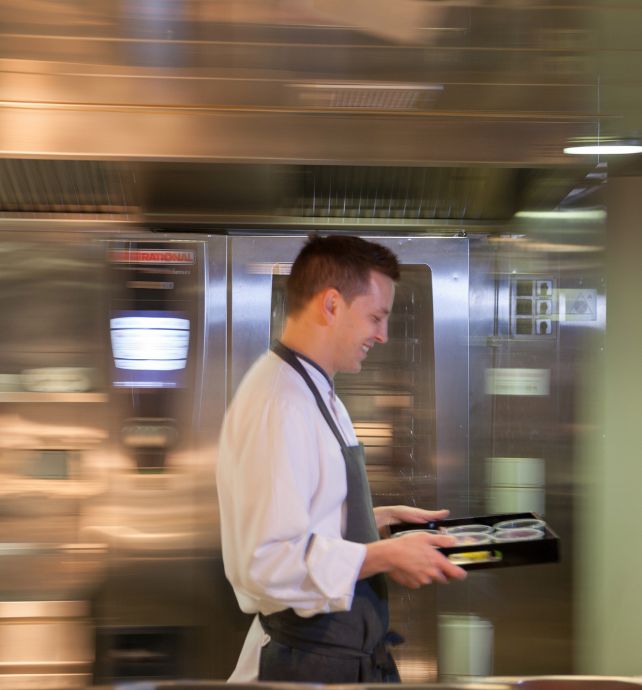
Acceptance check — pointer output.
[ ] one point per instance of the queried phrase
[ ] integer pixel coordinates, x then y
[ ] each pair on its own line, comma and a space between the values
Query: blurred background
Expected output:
160, 164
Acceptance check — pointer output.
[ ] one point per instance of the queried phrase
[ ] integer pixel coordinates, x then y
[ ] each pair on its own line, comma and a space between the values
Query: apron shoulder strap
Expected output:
289, 356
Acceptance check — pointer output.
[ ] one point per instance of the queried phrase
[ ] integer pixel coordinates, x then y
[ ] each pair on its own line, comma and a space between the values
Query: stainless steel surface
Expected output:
47, 640
143, 547
526, 426
259, 195
483, 683
163, 595
93, 547
51, 287
426, 117
286, 137
286, 114
43, 681
580, 682
43, 609
504, 82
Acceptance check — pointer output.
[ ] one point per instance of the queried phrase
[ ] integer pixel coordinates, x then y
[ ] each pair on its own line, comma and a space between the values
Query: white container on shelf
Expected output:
10, 382
515, 472
515, 499
58, 379
465, 647
515, 485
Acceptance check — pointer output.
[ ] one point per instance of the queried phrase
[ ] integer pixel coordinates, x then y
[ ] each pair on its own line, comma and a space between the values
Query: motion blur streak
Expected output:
160, 164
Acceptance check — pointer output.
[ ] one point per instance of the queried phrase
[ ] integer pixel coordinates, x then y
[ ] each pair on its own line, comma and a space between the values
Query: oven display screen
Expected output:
149, 348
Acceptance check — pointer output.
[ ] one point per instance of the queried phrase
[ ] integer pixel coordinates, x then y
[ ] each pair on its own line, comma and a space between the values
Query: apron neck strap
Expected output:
290, 357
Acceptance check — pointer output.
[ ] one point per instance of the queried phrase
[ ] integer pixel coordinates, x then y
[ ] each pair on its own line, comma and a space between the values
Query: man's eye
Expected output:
376, 319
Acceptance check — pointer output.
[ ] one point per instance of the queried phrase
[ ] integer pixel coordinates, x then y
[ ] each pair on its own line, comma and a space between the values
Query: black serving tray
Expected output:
495, 555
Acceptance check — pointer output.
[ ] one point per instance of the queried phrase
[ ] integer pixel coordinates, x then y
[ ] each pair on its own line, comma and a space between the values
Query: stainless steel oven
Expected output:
112, 391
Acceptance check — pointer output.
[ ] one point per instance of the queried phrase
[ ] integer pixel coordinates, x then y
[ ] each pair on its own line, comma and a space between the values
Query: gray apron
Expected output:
346, 646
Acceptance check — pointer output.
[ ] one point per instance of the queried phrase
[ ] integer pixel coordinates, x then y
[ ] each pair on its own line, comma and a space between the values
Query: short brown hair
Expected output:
343, 262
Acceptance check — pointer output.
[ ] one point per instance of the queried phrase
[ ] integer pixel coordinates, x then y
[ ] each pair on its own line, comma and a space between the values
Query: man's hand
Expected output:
393, 515
412, 560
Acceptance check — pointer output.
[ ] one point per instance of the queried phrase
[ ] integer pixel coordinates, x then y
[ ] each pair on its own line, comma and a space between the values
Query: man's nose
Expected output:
382, 334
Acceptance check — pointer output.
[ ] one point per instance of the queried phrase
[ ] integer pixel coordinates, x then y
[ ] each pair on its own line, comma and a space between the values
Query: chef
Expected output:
300, 538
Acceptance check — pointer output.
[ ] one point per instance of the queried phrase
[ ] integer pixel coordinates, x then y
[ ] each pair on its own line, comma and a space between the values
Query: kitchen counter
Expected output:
488, 683
492, 683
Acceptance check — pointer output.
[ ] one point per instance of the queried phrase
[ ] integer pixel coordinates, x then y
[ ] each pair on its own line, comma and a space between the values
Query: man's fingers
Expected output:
452, 571
436, 540
438, 514
410, 580
437, 576
418, 515
441, 539
420, 563
456, 573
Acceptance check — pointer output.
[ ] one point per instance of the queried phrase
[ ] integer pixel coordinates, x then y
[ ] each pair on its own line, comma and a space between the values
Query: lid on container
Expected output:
521, 534
528, 523
469, 529
414, 531
470, 538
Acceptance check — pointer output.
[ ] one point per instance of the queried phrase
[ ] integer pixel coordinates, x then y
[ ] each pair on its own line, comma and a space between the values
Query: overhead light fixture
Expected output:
571, 214
603, 147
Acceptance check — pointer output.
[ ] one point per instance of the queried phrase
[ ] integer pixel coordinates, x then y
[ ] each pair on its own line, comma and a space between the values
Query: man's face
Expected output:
362, 323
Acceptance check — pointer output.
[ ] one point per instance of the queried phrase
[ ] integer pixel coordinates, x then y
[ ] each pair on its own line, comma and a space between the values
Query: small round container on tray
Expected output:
470, 538
521, 523
468, 529
405, 532
521, 534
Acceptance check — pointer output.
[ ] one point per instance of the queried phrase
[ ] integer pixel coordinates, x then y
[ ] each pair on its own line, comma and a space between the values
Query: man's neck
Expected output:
305, 342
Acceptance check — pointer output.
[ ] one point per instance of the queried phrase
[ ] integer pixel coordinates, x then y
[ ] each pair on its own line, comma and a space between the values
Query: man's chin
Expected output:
352, 368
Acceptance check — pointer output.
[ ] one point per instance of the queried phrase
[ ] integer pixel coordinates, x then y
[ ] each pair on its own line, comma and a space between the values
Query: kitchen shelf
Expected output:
34, 397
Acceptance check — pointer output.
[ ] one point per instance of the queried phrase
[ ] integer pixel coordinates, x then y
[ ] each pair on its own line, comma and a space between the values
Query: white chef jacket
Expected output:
282, 487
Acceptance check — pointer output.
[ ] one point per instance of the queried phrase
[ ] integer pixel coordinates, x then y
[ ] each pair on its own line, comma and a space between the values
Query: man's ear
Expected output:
330, 299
